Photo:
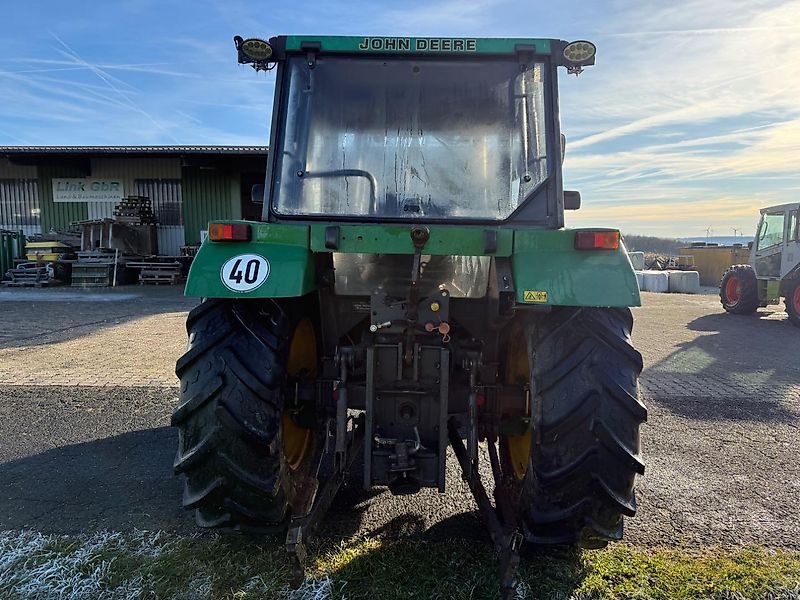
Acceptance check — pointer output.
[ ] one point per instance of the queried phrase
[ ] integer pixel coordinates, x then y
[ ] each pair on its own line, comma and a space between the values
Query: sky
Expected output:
690, 119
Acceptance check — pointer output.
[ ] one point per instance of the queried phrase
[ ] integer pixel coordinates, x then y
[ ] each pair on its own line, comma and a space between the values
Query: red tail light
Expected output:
229, 232
597, 240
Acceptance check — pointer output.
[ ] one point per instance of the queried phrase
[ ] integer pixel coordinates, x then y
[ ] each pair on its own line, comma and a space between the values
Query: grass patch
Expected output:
155, 565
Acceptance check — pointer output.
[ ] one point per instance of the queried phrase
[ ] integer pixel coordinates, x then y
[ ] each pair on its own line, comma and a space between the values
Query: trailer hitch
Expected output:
505, 534
303, 528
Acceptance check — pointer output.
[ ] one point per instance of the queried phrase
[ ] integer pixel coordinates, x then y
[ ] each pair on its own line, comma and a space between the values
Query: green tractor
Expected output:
409, 287
774, 269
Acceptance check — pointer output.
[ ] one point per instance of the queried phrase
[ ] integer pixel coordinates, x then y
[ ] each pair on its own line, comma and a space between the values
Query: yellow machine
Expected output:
45, 251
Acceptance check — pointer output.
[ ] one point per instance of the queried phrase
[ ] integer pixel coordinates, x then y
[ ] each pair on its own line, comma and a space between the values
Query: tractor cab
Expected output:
776, 249
415, 129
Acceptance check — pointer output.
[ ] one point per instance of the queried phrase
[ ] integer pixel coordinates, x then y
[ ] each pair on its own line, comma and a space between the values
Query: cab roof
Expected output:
781, 208
416, 45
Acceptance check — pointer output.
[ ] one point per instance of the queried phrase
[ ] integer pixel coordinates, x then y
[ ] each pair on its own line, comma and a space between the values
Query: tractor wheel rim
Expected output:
796, 300
518, 372
732, 290
302, 362
519, 452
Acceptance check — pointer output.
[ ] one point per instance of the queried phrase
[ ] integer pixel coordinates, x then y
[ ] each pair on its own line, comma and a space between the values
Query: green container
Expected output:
12, 245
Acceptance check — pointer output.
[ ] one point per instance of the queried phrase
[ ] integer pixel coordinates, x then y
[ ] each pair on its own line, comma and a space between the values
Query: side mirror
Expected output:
257, 193
572, 200
563, 147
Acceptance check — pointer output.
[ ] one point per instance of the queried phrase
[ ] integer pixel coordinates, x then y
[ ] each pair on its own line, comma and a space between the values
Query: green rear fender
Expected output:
285, 249
548, 270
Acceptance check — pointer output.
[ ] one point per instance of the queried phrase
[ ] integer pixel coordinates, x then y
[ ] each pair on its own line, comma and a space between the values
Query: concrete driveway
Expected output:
87, 389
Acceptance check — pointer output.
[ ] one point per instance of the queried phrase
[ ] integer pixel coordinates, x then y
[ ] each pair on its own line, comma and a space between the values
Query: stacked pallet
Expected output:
28, 274
156, 273
135, 210
98, 255
94, 268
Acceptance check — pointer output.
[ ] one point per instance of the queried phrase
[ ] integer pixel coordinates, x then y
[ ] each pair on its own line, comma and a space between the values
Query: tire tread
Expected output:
587, 414
228, 417
749, 302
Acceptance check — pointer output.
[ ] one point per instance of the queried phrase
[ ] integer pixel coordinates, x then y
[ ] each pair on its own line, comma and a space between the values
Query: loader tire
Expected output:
230, 417
792, 300
738, 290
585, 418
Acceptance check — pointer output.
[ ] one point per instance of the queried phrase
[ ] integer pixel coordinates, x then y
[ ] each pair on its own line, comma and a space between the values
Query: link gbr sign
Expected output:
87, 189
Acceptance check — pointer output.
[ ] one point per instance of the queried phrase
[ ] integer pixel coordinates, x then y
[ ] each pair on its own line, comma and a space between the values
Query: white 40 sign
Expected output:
245, 272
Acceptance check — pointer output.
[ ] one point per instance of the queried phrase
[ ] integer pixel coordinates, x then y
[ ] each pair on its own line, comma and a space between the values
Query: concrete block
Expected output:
684, 282
655, 281
637, 260
639, 279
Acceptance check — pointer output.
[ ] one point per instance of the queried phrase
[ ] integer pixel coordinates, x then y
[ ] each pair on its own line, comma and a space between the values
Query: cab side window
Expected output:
771, 231
793, 232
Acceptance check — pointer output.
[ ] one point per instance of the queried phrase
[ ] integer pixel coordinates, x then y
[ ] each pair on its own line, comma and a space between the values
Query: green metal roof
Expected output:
13, 151
419, 45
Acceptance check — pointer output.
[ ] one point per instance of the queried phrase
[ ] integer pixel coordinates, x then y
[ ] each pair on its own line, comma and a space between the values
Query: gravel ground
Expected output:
87, 390
92, 338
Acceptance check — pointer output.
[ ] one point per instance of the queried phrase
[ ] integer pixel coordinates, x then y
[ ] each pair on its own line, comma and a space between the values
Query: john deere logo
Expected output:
419, 44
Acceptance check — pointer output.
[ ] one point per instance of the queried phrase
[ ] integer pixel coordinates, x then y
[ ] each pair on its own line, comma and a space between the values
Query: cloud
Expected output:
666, 219
453, 15
119, 88
692, 107
669, 78
767, 151
777, 151
175, 92
703, 105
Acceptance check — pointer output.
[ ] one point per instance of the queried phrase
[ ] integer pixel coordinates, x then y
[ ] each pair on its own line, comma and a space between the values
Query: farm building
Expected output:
52, 188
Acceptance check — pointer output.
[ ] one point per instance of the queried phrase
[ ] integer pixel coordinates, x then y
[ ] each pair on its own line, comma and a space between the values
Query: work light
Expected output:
256, 49
580, 52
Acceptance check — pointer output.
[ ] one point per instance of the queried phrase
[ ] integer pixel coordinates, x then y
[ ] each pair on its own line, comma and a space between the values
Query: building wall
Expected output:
19, 198
208, 195
201, 195
59, 215
712, 261
9, 170
157, 178
129, 170
19, 205
167, 202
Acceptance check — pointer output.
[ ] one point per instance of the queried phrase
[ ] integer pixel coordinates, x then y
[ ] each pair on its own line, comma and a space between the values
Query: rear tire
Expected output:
586, 413
738, 290
792, 301
230, 417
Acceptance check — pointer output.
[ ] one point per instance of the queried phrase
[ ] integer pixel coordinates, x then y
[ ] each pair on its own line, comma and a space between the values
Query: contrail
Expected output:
11, 136
107, 80
703, 31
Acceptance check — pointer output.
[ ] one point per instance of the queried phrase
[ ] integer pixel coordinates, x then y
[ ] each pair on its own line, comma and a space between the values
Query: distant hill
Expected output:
670, 246
656, 245
722, 240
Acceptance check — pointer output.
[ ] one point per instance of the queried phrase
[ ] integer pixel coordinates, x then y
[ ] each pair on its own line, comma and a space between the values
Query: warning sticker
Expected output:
534, 296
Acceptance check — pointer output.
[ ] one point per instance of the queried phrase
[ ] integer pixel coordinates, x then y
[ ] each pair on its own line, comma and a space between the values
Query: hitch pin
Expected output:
375, 326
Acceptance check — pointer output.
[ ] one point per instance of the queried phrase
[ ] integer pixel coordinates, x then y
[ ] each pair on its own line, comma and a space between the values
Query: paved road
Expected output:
87, 389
